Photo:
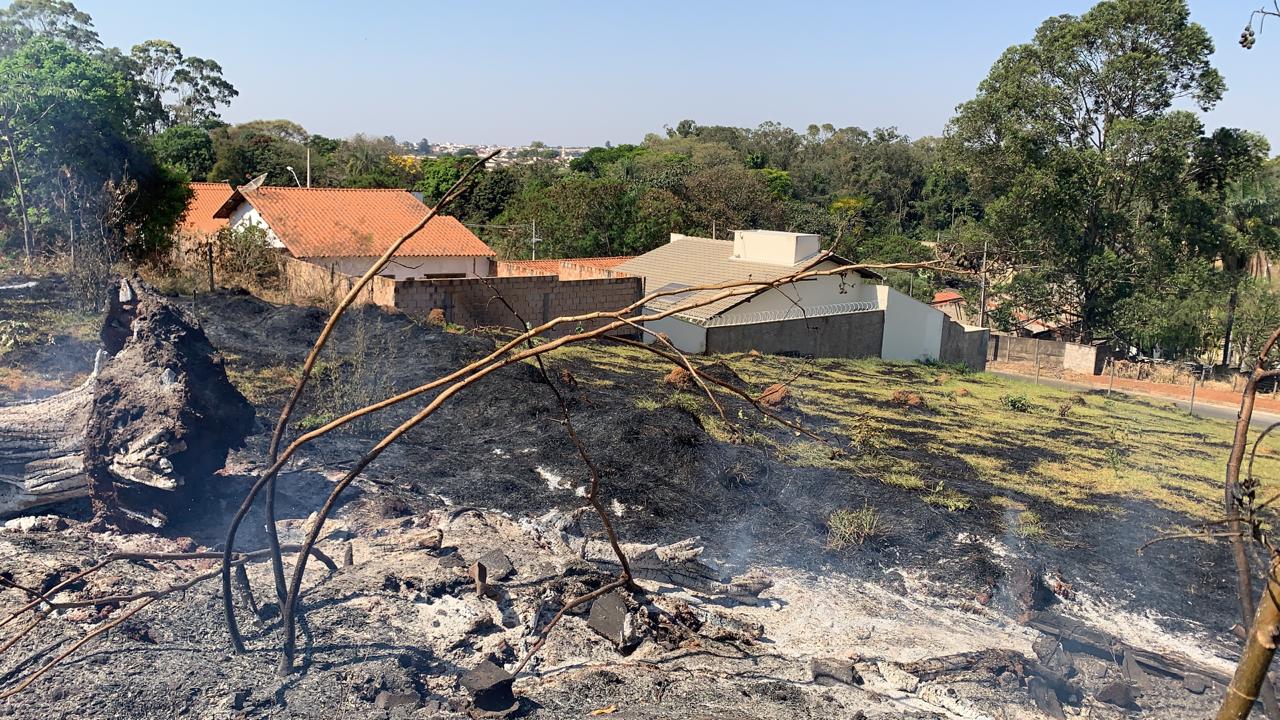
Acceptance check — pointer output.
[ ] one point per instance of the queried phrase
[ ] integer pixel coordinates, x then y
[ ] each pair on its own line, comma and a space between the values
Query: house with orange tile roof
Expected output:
198, 223
346, 230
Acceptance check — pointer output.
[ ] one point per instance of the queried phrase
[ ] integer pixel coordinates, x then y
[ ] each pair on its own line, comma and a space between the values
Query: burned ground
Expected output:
759, 495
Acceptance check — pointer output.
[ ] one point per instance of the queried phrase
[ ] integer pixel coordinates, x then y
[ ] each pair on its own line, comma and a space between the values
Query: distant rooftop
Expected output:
347, 222
206, 198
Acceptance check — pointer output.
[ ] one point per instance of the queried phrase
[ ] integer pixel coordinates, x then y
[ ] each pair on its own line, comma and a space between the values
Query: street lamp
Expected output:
294, 174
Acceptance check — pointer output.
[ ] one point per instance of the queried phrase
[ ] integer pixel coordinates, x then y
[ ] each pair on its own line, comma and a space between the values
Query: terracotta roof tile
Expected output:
342, 222
946, 296
205, 200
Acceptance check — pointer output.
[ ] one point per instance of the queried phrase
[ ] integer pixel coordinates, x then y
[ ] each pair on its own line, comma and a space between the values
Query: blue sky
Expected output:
586, 72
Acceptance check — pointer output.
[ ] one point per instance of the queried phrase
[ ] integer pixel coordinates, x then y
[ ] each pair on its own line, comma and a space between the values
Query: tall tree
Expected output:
190, 89
79, 164
54, 19
1073, 144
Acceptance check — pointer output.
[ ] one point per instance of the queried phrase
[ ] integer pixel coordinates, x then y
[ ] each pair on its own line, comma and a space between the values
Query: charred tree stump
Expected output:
141, 435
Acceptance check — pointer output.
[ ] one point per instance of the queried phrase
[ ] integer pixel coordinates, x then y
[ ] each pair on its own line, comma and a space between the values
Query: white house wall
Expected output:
912, 330
246, 215
814, 292
686, 336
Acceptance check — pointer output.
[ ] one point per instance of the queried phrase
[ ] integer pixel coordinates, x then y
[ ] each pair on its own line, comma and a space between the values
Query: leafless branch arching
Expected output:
277, 435
473, 373
727, 290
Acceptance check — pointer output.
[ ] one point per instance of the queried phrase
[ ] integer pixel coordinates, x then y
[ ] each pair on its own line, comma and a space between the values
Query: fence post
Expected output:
1037, 341
1194, 378
1112, 383
209, 254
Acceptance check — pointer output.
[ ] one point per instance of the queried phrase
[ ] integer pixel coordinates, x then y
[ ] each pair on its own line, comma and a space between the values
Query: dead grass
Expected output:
261, 385
975, 445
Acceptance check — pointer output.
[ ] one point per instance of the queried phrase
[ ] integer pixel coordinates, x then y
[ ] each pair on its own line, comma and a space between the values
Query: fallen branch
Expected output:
273, 540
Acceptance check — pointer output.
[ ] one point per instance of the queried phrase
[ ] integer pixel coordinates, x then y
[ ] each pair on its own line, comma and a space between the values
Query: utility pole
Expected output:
982, 300
533, 241
308, 166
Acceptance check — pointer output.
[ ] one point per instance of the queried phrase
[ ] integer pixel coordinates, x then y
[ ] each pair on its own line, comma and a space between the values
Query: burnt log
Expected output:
143, 436
1081, 638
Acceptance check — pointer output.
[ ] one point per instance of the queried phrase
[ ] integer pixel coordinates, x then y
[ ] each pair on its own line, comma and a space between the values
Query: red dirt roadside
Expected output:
1208, 395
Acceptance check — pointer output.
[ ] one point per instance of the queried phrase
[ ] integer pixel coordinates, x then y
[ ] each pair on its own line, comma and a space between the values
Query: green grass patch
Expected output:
985, 436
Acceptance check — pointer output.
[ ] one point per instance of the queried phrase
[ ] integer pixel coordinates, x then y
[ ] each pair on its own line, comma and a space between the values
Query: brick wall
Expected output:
471, 302
567, 270
310, 282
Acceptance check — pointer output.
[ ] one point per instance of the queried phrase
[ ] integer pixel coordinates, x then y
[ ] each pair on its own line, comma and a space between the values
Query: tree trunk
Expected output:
27, 245
143, 434
42, 450
1232, 300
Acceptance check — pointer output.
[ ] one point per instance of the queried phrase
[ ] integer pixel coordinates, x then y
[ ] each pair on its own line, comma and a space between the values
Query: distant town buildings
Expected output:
511, 154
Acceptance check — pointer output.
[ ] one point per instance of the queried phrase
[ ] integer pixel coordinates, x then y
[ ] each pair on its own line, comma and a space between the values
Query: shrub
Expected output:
853, 527
1016, 403
868, 436
245, 254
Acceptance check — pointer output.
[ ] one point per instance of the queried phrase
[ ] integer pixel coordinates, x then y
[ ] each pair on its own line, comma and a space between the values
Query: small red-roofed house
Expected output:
347, 230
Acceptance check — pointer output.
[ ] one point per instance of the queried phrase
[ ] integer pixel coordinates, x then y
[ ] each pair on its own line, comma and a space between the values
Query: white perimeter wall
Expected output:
686, 336
912, 330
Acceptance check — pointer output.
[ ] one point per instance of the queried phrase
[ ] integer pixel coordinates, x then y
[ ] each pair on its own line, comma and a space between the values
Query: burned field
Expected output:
954, 546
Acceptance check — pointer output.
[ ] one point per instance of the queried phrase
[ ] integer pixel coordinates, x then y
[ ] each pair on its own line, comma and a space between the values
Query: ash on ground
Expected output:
739, 608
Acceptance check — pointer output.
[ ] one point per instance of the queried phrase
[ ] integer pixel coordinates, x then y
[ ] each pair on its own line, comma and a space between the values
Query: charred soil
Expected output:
494, 469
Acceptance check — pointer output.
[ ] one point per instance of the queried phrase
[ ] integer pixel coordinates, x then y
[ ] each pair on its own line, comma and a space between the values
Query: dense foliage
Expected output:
82, 176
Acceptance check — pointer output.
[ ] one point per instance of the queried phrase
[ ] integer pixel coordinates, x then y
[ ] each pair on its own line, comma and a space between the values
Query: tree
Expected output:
1073, 147
1252, 206
186, 147
53, 19
82, 174
189, 89
436, 176
247, 150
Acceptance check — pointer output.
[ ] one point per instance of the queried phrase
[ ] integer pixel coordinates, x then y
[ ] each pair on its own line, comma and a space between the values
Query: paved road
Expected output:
1205, 410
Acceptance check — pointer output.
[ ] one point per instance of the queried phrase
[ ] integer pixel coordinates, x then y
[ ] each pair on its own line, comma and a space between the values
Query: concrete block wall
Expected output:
964, 344
472, 302
850, 335
1056, 354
